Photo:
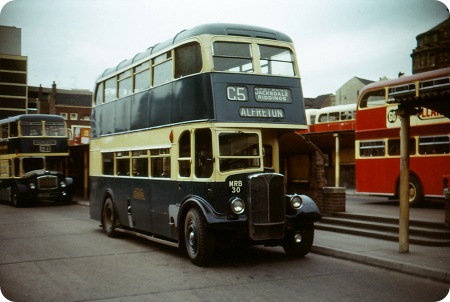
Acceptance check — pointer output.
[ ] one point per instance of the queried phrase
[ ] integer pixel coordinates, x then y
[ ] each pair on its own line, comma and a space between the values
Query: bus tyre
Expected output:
299, 244
109, 219
15, 197
415, 192
198, 239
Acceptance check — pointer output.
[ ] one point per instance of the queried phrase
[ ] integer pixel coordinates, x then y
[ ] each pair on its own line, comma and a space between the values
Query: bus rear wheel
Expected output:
415, 195
198, 239
415, 192
109, 220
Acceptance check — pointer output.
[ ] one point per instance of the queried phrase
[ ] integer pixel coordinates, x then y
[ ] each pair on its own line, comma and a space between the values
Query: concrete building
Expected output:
433, 49
348, 93
13, 73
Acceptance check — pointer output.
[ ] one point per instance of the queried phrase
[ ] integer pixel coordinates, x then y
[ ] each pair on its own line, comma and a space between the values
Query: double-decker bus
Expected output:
377, 144
335, 118
185, 143
33, 155
331, 118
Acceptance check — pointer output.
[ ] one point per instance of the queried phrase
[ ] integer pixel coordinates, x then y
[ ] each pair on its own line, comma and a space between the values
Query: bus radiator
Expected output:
267, 206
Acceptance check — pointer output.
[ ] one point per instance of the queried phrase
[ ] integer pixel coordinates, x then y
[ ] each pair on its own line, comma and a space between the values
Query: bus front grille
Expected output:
47, 182
267, 206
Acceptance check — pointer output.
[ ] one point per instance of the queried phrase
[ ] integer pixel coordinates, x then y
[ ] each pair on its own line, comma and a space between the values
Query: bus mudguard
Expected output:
212, 217
307, 214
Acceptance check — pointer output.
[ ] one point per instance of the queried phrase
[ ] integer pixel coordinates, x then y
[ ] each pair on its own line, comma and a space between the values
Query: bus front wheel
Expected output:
15, 197
299, 244
198, 239
109, 220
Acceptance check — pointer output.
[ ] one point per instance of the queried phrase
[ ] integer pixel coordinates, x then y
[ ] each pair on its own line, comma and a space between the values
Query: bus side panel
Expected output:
377, 175
372, 119
191, 103
140, 205
122, 117
95, 199
160, 102
119, 190
107, 114
139, 111
431, 172
161, 195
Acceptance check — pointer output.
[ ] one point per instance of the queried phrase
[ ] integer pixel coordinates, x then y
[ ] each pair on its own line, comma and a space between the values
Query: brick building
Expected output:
433, 49
74, 105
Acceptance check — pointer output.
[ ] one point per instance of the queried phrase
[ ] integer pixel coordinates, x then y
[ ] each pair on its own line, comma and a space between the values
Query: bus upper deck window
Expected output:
31, 128
188, 60
232, 56
373, 99
276, 60
55, 129
162, 69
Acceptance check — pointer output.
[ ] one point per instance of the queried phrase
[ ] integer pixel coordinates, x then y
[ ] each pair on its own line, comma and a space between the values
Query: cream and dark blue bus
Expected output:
186, 143
34, 154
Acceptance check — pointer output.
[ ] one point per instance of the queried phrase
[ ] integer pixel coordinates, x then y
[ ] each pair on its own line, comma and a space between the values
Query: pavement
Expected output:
424, 261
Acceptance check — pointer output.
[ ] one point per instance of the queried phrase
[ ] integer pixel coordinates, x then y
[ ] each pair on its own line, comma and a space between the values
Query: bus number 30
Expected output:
237, 93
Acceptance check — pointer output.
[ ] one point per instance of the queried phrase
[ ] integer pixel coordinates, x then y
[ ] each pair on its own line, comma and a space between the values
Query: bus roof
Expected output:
33, 117
337, 108
443, 72
220, 29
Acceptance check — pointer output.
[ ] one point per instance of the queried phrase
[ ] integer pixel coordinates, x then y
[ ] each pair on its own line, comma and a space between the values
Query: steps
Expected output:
421, 233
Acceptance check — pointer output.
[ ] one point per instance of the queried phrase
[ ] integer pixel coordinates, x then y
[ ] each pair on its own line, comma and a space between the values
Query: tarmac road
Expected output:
56, 253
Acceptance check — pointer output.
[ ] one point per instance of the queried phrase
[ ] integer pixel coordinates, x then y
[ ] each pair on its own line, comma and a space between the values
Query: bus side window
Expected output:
160, 162
123, 163
184, 157
203, 153
323, 118
108, 163
162, 69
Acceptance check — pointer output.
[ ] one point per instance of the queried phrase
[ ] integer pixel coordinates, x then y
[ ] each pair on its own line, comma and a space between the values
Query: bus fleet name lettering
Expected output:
261, 112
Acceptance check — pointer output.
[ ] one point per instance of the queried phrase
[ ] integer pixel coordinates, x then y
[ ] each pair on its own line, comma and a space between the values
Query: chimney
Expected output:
52, 100
54, 89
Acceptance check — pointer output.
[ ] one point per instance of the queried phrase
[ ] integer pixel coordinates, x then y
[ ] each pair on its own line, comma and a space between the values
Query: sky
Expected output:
72, 42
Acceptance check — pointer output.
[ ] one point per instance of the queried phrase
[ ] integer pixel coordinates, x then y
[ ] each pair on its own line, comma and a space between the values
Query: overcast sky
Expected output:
71, 42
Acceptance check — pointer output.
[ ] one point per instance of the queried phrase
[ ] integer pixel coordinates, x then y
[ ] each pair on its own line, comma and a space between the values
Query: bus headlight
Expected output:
32, 186
296, 202
62, 184
237, 205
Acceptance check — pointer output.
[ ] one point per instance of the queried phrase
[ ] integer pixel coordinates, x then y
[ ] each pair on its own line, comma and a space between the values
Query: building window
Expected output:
64, 115
74, 116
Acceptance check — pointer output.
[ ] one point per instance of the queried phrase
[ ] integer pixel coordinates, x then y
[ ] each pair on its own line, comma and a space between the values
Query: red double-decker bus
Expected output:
377, 143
